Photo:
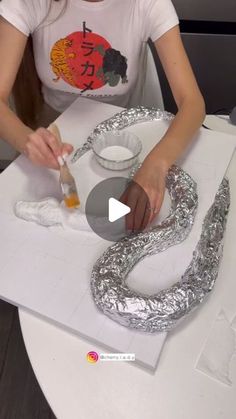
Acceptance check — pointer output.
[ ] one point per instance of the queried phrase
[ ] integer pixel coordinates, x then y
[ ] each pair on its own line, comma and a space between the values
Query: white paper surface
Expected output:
48, 270
233, 324
220, 123
218, 351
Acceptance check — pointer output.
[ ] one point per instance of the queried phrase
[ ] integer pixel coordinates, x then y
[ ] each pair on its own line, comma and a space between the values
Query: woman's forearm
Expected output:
179, 135
12, 130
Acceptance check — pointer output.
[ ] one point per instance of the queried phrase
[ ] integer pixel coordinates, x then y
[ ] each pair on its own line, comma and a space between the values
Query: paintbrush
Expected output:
67, 181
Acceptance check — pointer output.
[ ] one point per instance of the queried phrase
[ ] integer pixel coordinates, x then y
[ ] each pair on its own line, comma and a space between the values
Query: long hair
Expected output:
26, 92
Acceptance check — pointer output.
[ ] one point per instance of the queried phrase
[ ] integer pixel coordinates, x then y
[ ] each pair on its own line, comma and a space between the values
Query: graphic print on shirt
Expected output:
87, 61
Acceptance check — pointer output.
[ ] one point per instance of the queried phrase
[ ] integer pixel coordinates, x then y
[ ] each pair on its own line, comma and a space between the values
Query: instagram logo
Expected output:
92, 357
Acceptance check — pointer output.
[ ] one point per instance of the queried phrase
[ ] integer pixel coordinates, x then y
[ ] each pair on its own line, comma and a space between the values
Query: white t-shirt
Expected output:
90, 49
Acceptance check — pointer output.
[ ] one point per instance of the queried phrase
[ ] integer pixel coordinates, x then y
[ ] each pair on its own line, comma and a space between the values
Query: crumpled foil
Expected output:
162, 311
120, 121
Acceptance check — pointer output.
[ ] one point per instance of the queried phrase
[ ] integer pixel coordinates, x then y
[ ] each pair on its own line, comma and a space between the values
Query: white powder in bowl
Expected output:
116, 152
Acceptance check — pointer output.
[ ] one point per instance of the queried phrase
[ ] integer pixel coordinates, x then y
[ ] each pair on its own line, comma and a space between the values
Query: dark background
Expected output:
209, 35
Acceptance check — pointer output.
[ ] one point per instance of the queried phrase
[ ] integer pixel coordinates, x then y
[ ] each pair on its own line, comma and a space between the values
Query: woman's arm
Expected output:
190, 103
40, 146
191, 112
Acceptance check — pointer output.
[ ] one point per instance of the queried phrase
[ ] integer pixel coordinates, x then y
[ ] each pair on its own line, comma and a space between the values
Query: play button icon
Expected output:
117, 210
105, 211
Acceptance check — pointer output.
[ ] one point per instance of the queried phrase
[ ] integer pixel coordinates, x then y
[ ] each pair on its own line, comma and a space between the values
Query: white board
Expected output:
47, 271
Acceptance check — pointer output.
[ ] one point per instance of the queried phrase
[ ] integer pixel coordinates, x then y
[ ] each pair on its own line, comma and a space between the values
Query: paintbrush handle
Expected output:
67, 181
65, 175
53, 128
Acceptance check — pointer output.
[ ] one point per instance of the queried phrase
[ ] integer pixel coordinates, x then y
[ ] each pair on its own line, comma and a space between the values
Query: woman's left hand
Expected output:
145, 195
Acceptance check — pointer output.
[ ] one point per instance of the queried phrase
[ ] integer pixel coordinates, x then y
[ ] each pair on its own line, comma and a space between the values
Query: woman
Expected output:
91, 48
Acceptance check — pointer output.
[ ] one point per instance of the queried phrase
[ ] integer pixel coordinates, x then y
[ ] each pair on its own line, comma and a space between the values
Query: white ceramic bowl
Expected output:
117, 150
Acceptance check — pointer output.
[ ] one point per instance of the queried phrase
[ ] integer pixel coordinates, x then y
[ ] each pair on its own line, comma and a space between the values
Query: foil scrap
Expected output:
122, 120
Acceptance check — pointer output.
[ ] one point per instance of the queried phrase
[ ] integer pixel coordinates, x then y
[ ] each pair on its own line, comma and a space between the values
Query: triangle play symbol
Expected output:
117, 210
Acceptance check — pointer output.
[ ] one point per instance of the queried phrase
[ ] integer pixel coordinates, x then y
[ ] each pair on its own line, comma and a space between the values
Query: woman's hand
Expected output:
43, 148
146, 194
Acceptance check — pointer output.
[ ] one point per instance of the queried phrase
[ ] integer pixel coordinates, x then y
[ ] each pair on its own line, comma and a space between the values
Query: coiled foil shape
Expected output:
162, 311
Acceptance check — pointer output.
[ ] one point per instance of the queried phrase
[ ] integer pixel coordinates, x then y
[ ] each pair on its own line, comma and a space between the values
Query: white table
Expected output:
76, 389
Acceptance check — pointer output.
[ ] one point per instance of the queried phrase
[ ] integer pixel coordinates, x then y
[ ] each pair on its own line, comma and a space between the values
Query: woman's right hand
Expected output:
43, 148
